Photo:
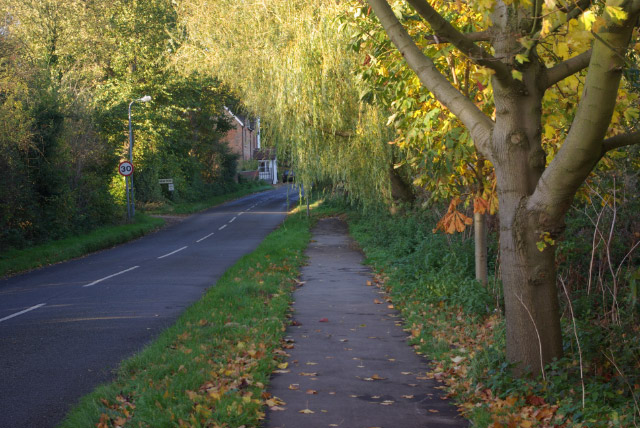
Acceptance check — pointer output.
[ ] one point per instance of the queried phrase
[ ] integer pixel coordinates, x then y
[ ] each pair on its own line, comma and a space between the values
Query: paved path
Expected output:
65, 328
351, 365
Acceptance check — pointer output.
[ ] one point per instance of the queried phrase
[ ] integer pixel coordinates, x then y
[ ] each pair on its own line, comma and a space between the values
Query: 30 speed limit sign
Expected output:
125, 168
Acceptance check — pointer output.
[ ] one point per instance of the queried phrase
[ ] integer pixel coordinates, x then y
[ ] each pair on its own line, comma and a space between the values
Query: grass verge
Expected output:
212, 367
194, 207
14, 261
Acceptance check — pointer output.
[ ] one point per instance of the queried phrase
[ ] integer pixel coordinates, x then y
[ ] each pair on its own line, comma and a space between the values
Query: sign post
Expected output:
126, 169
169, 183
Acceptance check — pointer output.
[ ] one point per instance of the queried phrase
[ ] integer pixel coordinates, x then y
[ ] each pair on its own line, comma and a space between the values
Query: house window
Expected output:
264, 166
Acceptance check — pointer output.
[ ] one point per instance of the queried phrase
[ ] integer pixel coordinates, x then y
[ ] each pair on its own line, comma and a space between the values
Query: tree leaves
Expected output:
454, 220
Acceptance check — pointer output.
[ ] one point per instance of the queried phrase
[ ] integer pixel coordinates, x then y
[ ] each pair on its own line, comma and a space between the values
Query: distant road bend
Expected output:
65, 328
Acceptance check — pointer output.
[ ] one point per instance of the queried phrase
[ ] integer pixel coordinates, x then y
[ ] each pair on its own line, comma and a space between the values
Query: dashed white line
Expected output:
173, 252
22, 312
110, 276
231, 221
205, 237
222, 227
239, 214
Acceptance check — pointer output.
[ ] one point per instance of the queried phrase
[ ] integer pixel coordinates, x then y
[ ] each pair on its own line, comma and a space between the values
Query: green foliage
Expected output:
63, 116
430, 267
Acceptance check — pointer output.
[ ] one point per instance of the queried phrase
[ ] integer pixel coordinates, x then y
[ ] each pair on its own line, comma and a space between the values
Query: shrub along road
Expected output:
63, 329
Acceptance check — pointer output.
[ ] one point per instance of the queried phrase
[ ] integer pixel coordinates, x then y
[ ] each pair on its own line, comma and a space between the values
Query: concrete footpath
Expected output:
350, 365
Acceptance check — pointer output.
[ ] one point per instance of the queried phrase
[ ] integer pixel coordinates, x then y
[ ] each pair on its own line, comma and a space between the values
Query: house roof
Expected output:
264, 154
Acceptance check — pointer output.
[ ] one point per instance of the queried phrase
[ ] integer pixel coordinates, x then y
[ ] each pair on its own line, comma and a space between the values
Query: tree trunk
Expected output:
401, 191
480, 231
528, 275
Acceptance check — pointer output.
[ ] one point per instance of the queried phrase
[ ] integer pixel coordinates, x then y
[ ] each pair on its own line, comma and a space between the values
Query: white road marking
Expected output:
173, 252
203, 238
239, 214
231, 221
110, 276
22, 312
222, 227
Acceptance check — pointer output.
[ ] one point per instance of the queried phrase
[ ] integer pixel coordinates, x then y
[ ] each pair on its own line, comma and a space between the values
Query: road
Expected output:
65, 328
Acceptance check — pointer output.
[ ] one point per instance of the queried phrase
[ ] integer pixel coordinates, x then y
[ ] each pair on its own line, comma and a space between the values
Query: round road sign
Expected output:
125, 168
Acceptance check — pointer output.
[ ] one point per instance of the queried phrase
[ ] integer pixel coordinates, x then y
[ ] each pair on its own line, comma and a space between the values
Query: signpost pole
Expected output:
126, 189
131, 210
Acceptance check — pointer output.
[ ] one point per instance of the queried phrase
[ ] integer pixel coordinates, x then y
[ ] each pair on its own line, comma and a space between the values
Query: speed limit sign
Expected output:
125, 168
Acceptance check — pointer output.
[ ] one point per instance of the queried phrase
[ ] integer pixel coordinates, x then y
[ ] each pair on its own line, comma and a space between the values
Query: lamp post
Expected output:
131, 208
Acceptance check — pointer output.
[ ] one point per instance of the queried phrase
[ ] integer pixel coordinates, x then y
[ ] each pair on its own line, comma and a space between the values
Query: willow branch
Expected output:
621, 140
443, 27
480, 126
567, 68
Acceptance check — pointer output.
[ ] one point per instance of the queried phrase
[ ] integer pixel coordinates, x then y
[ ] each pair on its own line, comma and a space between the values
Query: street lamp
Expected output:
131, 208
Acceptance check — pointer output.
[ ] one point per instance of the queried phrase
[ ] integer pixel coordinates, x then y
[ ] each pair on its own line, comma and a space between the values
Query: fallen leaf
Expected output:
434, 411
323, 320
377, 302
307, 374
306, 411
283, 366
309, 363
277, 408
387, 402
282, 371
311, 392
408, 397
406, 373
390, 306
294, 386
120, 421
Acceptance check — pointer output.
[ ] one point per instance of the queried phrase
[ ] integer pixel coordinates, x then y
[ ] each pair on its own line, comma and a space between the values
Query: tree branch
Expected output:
621, 140
480, 126
479, 36
566, 68
443, 27
585, 143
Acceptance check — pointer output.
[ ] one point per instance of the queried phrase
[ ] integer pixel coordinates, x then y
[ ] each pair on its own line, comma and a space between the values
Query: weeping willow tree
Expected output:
290, 63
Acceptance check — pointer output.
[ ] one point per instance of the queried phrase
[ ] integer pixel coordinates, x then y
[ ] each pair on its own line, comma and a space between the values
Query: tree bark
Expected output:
400, 190
480, 242
528, 275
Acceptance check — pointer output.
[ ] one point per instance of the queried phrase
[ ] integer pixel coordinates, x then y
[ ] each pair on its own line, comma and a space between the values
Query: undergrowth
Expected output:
459, 324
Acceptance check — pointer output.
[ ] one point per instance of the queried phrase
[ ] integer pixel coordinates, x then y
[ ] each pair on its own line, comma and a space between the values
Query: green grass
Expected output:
211, 368
14, 261
193, 207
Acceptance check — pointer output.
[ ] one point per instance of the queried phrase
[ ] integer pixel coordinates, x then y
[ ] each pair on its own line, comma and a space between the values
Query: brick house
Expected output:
244, 138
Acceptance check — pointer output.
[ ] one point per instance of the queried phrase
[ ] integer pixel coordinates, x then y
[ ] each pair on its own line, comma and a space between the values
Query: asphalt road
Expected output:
65, 328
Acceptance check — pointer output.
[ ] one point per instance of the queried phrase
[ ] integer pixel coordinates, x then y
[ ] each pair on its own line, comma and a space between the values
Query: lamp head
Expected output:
145, 99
